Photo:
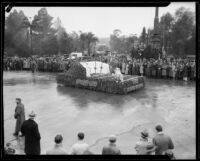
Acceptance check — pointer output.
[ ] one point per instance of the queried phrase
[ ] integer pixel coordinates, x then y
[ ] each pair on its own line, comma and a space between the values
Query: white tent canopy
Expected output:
95, 67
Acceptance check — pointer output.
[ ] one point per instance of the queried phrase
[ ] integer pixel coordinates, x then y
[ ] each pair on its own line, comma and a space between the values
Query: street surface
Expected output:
66, 111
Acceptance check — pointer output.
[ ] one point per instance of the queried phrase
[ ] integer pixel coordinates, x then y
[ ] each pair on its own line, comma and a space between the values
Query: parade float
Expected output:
96, 75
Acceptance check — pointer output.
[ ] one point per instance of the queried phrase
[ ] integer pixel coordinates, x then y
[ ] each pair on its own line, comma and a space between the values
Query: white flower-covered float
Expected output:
96, 75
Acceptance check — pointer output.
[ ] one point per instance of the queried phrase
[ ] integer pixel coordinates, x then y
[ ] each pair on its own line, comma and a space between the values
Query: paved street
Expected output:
66, 111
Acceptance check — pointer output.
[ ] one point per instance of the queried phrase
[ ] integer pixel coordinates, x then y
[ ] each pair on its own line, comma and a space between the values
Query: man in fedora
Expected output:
111, 149
19, 116
32, 135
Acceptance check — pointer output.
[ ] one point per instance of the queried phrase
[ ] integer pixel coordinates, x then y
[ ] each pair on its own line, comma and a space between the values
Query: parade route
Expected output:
66, 111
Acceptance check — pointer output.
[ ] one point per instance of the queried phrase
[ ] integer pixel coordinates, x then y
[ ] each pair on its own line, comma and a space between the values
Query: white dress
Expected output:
123, 67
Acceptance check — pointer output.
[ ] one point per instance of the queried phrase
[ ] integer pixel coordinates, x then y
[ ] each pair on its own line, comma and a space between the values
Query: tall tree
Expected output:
14, 31
166, 24
143, 36
83, 38
44, 34
182, 30
91, 40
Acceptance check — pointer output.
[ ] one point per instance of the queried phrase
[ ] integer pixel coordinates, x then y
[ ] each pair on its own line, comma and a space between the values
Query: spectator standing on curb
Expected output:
161, 141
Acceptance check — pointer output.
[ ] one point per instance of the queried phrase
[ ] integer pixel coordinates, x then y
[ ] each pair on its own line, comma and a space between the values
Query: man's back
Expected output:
111, 149
144, 147
32, 137
163, 143
79, 148
29, 127
57, 150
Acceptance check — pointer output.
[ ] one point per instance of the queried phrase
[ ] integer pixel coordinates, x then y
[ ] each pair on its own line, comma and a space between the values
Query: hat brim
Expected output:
32, 115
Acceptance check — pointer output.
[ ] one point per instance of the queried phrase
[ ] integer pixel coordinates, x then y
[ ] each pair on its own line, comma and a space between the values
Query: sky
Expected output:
103, 20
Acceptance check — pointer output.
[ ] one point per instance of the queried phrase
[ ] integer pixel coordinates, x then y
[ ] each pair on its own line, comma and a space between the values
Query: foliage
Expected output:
178, 32
120, 43
14, 31
43, 37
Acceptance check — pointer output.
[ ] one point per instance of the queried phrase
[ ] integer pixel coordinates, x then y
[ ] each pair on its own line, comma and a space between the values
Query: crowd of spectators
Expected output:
178, 69
42, 64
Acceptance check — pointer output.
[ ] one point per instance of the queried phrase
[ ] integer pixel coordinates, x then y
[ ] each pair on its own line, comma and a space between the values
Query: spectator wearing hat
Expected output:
80, 147
161, 141
58, 147
19, 116
144, 146
111, 149
32, 135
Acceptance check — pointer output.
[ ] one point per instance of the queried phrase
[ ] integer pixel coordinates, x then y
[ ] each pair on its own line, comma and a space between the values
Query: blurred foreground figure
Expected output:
162, 141
170, 154
80, 147
111, 149
19, 116
8, 150
32, 136
144, 146
58, 147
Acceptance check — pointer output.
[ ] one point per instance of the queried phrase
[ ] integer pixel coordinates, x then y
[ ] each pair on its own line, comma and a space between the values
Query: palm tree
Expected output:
83, 38
91, 39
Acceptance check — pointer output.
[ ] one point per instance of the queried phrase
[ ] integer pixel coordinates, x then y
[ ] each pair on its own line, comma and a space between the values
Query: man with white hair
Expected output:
32, 136
111, 149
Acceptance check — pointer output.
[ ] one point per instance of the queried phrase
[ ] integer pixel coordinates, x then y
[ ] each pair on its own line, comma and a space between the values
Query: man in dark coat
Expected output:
162, 142
19, 116
32, 136
111, 149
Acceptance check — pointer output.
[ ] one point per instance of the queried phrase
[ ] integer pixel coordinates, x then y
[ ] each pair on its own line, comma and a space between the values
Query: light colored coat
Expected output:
79, 148
141, 147
57, 150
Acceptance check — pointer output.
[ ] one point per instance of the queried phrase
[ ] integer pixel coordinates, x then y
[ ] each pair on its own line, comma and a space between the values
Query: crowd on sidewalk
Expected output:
178, 69
42, 64
183, 69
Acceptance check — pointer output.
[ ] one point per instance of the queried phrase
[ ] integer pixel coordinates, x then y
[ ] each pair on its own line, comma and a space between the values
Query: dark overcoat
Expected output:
19, 116
32, 137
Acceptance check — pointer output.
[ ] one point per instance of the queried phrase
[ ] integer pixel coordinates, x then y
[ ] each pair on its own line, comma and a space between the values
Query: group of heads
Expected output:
145, 134
58, 138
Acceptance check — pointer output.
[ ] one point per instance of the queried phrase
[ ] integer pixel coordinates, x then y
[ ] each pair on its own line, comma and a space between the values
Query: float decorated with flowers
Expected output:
96, 75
